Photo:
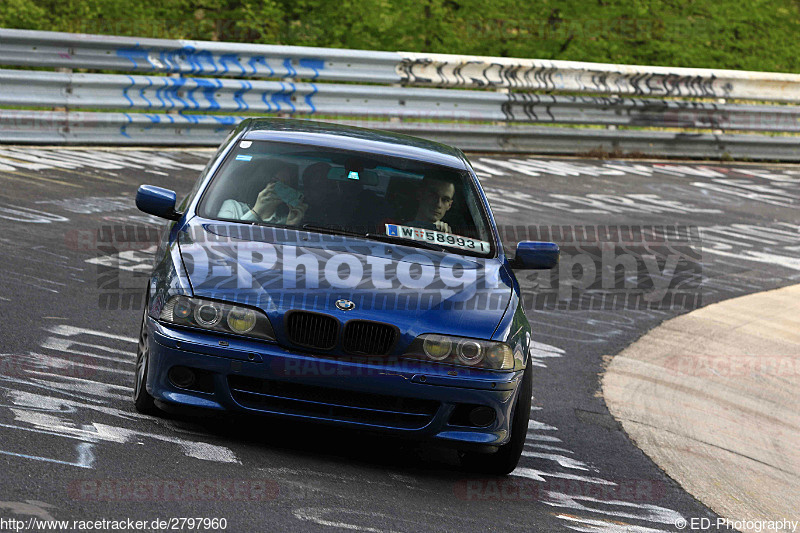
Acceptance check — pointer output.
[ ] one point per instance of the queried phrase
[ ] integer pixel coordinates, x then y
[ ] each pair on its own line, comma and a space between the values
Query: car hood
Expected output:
277, 270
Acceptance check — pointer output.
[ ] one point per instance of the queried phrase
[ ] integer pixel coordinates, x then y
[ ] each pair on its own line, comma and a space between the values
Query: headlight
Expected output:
476, 353
437, 347
470, 352
208, 314
217, 316
242, 320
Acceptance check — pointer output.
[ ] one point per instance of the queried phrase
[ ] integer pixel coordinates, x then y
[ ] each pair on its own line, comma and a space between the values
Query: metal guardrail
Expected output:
217, 95
197, 58
184, 92
209, 58
79, 128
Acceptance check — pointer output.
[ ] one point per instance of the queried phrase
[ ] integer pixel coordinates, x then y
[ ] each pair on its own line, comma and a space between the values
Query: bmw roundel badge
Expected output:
345, 305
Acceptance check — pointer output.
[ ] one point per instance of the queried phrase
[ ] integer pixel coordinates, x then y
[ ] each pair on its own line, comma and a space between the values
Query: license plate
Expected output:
438, 237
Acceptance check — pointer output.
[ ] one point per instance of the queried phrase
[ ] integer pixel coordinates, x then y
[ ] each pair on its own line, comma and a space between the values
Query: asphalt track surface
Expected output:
73, 448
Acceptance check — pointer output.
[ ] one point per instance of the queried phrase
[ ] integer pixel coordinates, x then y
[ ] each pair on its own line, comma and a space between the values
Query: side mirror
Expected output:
535, 256
157, 201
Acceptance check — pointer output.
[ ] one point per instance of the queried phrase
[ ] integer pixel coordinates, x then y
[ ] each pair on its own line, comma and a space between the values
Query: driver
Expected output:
435, 200
270, 204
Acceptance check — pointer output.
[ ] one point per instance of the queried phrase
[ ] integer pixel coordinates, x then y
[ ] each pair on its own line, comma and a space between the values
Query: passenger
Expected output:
318, 194
279, 202
435, 199
351, 206
401, 199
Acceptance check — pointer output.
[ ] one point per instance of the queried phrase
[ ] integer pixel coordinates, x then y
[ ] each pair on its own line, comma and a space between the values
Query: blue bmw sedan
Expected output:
346, 276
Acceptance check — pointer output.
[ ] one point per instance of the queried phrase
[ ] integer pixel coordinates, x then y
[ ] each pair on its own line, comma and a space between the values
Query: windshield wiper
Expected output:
331, 231
375, 236
407, 242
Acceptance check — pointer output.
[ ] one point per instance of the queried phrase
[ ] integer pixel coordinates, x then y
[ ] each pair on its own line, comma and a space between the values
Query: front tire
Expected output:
506, 458
142, 399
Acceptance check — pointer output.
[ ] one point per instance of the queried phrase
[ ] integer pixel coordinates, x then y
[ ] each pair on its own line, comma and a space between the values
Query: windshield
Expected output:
353, 193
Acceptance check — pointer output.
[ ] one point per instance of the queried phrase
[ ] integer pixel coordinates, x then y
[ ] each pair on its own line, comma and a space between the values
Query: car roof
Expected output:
353, 138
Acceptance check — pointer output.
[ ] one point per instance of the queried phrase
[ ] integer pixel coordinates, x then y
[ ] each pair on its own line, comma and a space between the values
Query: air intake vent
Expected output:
368, 338
332, 404
312, 330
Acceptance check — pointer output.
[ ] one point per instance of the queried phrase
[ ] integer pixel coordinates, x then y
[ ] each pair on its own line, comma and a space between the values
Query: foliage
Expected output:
734, 34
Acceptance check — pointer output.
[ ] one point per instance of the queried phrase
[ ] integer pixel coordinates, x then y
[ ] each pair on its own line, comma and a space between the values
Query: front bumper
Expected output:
412, 398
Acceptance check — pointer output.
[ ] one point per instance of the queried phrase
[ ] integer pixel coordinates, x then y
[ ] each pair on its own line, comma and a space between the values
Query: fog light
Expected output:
182, 377
481, 416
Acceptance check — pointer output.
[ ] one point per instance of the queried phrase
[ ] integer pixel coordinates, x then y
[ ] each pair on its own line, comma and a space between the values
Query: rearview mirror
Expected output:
535, 256
157, 201
366, 177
